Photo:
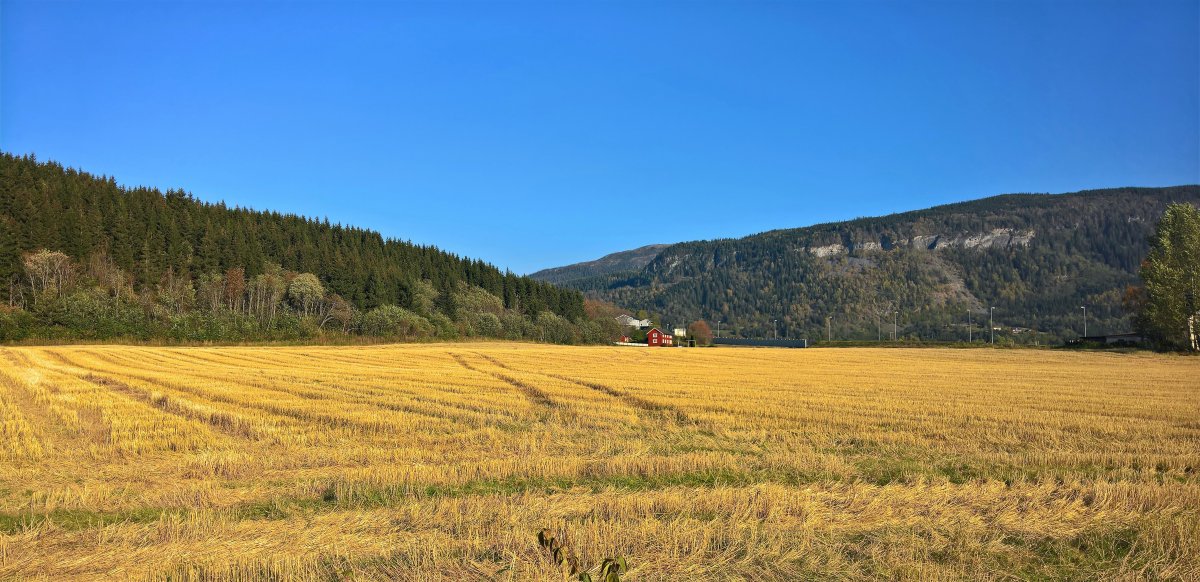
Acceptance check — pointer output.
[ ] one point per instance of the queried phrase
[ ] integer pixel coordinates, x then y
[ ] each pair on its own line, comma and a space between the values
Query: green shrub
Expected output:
393, 321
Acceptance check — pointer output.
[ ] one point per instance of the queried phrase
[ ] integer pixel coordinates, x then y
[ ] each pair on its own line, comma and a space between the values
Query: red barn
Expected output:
655, 337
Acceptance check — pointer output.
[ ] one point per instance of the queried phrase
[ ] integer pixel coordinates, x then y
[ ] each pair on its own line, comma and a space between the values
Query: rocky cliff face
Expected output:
996, 238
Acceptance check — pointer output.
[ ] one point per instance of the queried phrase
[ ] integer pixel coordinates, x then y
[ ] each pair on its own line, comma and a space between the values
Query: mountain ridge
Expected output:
1040, 256
612, 262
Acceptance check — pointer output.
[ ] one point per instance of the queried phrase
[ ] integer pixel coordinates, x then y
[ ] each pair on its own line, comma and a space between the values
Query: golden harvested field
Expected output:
444, 461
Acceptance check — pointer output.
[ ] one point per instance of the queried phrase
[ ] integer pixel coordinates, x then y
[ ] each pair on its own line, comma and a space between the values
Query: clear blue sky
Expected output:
534, 134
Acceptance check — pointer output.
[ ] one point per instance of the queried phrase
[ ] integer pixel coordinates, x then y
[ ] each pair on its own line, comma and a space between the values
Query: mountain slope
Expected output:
606, 265
1037, 258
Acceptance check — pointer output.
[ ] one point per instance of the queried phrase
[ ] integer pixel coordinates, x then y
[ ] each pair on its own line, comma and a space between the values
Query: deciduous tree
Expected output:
49, 272
1171, 272
305, 291
700, 332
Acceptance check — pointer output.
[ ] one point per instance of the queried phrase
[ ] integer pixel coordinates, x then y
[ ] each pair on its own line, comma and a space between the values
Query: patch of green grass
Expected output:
905, 466
76, 519
965, 471
1087, 556
366, 497
888, 470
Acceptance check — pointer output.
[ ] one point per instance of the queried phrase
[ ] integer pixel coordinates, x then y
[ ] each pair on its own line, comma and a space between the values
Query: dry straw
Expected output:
438, 461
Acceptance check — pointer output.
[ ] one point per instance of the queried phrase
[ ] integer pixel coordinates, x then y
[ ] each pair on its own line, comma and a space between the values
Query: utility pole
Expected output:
991, 328
895, 324
970, 338
828, 332
1084, 308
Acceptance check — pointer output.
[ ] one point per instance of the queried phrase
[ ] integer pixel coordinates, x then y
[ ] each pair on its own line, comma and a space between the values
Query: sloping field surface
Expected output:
443, 462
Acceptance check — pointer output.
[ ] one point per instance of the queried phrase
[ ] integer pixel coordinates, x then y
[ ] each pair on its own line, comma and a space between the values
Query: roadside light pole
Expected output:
970, 337
1084, 308
895, 324
718, 329
775, 327
828, 332
991, 328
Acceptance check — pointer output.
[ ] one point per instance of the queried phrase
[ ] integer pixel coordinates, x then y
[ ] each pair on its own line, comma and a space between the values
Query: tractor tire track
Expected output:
333, 393
494, 361
225, 423
35, 413
533, 393
665, 411
90, 423
360, 426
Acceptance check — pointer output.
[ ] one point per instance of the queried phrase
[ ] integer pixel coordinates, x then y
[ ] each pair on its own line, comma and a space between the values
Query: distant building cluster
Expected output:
655, 337
631, 321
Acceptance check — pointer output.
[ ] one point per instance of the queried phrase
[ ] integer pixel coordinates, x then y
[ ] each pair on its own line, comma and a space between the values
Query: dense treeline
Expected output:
1066, 252
138, 262
149, 233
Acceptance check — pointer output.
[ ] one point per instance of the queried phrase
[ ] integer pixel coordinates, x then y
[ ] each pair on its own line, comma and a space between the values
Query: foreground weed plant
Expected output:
609, 569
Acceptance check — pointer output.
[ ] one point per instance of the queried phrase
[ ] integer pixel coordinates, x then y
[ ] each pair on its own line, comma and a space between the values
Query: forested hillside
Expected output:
1037, 258
613, 263
166, 255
